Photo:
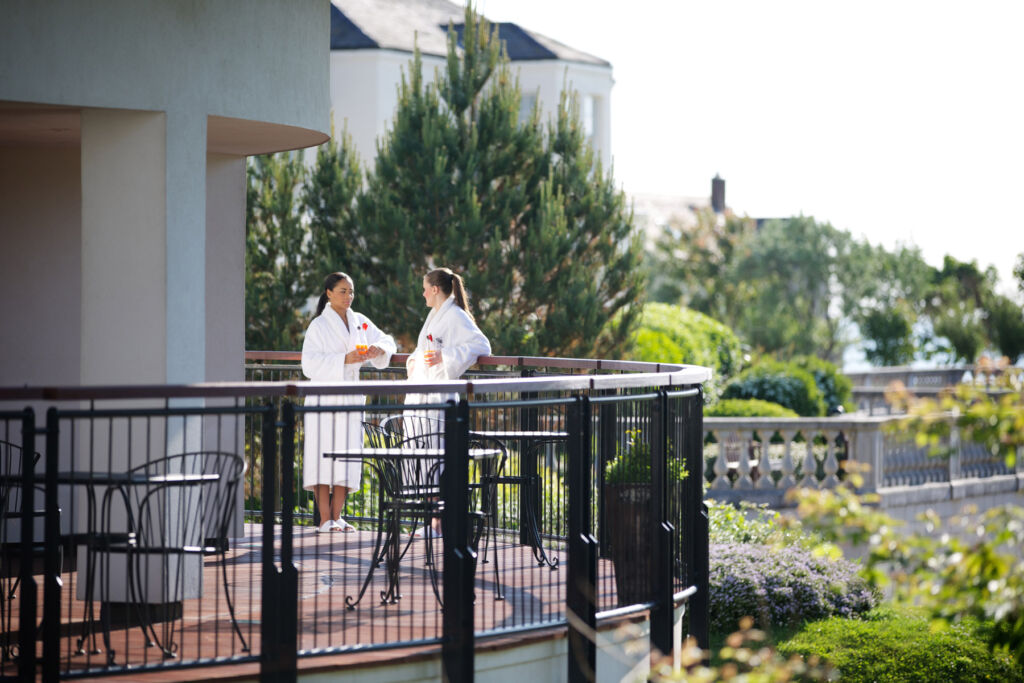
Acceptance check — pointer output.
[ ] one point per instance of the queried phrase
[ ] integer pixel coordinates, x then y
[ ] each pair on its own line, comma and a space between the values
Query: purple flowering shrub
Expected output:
781, 587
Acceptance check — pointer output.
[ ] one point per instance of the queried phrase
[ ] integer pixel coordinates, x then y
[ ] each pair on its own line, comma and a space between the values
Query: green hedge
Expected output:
675, 334
747, 407
896, 646
782, 383
835, 387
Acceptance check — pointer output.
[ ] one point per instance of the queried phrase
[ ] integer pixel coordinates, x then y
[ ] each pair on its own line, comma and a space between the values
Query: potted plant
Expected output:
627, 505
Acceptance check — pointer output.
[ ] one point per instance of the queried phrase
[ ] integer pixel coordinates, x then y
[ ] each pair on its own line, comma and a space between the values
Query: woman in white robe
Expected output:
448, 344
337, 342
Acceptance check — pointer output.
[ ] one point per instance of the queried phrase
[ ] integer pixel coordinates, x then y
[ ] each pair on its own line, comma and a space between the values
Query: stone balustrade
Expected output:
761, 460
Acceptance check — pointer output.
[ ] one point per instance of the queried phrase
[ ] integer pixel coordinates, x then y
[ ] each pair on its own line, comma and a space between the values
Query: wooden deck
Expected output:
330, 568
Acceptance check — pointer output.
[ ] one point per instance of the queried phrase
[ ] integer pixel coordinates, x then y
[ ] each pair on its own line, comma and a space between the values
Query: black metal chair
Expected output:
424, 430
407, 493
176, 507
431, 430
11, 548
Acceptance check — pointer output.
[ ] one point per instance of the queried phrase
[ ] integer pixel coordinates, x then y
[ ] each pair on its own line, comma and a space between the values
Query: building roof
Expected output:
652, 212
403, 24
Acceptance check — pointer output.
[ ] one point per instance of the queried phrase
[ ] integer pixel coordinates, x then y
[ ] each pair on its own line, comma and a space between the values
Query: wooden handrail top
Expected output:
635, 375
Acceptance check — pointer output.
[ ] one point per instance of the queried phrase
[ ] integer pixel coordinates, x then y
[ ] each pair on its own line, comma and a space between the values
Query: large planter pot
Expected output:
628, 517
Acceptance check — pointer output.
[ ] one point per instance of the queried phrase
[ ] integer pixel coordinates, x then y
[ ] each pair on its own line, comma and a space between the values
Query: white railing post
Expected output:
787, 481
721, 466
955, 454
831, 464
743, 445
810, 467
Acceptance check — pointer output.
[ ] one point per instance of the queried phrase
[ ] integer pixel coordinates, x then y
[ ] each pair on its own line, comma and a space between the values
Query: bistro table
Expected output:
97, 540
529, 483
418, 497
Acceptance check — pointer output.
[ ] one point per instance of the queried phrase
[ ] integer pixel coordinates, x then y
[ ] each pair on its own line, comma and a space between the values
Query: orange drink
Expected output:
361, 349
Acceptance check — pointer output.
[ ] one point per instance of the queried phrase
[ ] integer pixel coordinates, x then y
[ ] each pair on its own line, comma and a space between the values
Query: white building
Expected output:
372, 43
124, 128
653, 212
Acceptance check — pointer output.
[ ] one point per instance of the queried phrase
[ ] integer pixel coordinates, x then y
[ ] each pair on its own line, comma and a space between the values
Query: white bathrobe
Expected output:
323, 359
455, 334
450, 330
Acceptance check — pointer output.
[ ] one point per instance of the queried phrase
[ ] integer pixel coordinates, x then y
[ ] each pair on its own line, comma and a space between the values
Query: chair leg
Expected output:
376, 558
499, 594
393, 593
90, 613
231, 607
533, 494
428, 548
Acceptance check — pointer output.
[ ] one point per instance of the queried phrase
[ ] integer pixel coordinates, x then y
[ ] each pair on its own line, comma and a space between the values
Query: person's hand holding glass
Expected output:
432, 352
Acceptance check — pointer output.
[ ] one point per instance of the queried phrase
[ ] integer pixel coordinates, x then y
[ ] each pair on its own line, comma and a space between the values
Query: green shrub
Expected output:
632, 464
753, 523
782, 383
675, 334
899, 646
747, 407
836, 388
781, 588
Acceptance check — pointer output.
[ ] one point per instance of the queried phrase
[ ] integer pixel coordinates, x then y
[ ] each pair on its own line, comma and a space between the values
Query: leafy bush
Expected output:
675, 334
896, 646
835, 387
781, 589
747, 407
746, 655
972, 570
632, 464
753, 523
782, 383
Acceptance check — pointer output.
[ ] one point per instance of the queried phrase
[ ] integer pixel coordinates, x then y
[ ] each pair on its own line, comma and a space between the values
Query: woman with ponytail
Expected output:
337, 343
449, 343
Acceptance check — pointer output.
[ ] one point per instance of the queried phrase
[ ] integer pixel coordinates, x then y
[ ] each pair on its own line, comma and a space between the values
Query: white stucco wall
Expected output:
225, 253
161, 261
364, 93
623, 656
40, 264
548, 78
262, 60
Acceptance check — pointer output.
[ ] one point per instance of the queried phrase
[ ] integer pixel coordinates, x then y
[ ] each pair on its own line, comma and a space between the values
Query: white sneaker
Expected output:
344, 526
426, 532
328, 526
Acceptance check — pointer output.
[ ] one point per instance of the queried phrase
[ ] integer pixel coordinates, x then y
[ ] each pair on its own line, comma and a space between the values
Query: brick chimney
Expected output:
717, 194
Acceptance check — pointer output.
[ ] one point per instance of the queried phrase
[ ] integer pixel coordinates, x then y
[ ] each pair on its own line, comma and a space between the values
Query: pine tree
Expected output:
276, 254
529, 219
329, 201
598, 268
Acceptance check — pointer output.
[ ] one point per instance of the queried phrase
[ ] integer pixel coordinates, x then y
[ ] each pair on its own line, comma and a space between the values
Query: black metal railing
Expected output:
155, 550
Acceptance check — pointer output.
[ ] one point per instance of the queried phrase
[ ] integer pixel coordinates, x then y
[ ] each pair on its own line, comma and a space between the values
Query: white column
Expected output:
225, 267
124, 247
603, 129
225, 299
144, 285
186, 247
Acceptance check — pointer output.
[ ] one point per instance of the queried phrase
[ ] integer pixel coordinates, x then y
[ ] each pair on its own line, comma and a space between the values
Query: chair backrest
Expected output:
12, 465
171, 514
404, 475
423, 424
378, 436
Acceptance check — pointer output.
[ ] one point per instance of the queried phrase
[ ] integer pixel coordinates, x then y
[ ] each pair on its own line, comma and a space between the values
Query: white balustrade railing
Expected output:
762, 459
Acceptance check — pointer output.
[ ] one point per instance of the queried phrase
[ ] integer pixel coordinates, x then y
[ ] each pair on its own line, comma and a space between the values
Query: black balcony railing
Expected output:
154, 527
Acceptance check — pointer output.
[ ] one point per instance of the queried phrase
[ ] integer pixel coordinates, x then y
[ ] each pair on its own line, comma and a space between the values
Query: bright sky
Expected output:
901, 122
